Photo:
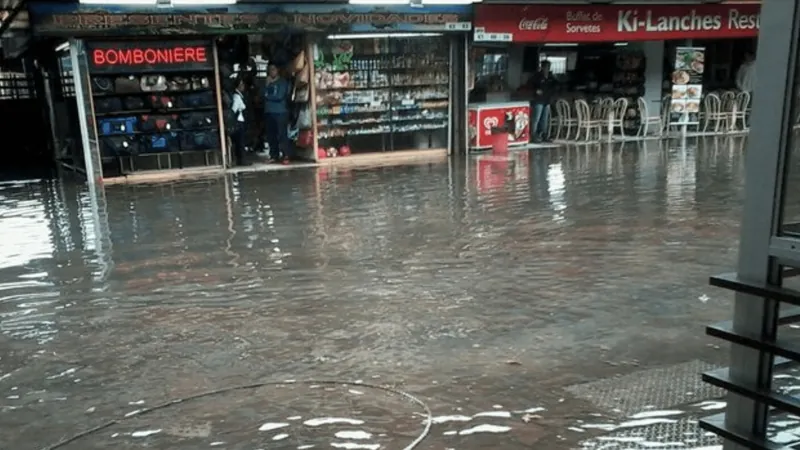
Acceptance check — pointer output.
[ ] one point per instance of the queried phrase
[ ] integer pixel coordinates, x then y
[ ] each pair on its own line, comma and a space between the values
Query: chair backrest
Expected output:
727, 96
666, 107
642, 104
620, 108
712, 104
607, 106
742, 101
563, 109
728, 101
583, 111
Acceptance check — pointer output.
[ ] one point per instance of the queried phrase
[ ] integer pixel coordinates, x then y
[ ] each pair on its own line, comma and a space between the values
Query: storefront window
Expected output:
381, 93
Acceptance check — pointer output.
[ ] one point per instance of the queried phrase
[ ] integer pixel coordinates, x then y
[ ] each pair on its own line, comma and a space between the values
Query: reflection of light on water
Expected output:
555, 187
681, 183
26, 234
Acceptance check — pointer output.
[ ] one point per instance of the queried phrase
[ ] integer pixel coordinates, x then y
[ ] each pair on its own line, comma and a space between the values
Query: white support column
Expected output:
654, 74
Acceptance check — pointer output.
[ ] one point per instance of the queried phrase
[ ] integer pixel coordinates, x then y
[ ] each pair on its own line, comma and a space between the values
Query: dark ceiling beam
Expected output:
12, 16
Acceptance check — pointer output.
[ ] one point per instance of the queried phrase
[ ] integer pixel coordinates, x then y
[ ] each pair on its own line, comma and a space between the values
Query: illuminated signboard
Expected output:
137, 56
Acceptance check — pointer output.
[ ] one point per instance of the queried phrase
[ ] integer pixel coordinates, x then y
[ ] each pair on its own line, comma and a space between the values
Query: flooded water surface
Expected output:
432, 306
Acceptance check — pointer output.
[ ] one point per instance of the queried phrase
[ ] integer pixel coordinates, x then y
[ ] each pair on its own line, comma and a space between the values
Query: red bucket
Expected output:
500, 142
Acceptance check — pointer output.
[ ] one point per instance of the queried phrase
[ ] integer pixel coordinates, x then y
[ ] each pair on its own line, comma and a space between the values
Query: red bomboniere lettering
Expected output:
150, 56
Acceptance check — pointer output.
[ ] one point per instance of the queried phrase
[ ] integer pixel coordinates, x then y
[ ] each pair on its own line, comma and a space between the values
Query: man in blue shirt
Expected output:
276, 111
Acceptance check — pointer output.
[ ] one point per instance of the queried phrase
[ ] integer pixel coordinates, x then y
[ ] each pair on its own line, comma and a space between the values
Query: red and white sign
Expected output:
482, 118
614, 23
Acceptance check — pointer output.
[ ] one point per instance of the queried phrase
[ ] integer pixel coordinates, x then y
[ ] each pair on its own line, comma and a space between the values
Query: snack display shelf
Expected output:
386, 87
383, 130
325, 111
375, 86
383, 120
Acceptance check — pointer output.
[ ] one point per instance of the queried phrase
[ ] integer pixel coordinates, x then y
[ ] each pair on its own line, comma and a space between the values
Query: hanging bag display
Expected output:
150, 123
154, 83
116, 125
102, 85
199, 140
196, 100
179, 84
304, 118
119, 145
133, 103
107, 104
160, 102
200, 119
160, 142
127, 85
299, 62
199, 83
305, 139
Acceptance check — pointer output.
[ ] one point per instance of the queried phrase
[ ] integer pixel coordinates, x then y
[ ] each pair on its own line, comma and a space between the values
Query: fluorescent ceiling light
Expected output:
155, 2
407, 2
203, 2
562, 44
118, 2
63, 46
620, 44
381, 35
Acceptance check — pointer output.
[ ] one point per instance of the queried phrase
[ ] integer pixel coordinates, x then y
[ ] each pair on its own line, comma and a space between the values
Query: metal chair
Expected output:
666, 105
713, 112
728, 99
742, 110
646, 120
619, 109
586, 123
565, 119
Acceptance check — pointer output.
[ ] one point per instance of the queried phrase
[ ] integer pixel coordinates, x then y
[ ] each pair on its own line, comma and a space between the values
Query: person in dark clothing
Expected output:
276, 113
544, 86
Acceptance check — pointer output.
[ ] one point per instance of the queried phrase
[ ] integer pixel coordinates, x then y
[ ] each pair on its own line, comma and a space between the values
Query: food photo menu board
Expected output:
687, 85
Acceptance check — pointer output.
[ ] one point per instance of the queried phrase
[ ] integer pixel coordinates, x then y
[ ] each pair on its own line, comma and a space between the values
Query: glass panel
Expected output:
80, 72
790, 219
381, 93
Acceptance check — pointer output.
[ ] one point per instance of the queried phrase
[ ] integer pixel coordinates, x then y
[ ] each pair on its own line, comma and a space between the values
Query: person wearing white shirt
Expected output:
746, 75
238, 107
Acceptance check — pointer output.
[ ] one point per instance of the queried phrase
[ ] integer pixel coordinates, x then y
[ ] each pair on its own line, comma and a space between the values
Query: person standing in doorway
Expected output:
543, 85
238, 137
746, 75
276, 112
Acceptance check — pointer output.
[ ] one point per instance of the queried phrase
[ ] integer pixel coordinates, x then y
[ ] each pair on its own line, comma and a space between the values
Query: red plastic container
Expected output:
500, 142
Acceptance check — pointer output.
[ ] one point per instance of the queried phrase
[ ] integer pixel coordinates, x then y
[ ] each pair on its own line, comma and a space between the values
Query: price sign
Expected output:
482, 36
458, 26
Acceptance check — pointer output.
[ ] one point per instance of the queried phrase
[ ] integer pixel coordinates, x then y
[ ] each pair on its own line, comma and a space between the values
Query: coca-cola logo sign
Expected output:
538, 24
490, 122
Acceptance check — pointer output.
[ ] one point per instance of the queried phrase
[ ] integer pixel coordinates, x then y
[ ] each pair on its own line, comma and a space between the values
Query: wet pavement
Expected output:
488, 303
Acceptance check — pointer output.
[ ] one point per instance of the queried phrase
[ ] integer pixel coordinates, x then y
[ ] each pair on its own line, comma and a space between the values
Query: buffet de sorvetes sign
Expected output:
89, 20
614, 23
143, 55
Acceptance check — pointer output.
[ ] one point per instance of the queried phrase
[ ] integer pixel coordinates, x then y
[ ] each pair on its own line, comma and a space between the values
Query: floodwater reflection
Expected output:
406, 273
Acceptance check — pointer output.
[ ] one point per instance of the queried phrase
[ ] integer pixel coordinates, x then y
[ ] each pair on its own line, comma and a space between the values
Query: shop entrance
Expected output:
270, 74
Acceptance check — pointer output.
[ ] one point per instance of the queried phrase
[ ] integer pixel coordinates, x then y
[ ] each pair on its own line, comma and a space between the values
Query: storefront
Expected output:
609, 52
358, 79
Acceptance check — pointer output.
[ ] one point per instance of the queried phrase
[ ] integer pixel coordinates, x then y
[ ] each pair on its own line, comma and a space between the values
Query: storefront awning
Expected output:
613, 23
51, 19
